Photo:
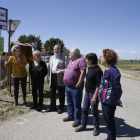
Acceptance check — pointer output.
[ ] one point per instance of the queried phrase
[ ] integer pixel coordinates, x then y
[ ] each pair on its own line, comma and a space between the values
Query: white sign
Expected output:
14, 25
3, 18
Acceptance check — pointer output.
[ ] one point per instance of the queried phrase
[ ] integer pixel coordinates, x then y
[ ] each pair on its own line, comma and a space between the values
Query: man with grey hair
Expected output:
74, 79
56, 67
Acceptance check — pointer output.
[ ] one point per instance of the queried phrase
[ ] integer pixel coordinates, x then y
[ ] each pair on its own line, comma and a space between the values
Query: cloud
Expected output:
122, 55
117, 51
133, 52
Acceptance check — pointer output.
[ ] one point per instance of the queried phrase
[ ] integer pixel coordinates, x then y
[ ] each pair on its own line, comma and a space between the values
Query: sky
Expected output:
90, 25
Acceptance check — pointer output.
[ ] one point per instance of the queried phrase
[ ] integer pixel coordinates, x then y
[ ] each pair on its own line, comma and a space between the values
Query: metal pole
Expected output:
0, 70
8, 54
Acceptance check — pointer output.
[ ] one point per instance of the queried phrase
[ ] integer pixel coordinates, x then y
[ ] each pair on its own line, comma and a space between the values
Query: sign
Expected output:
1, 44
14, 25
3, 18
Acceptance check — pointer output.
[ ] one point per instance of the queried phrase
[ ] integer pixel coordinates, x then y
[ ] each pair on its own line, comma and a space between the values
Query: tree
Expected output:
32, 39
66, 51
49, 44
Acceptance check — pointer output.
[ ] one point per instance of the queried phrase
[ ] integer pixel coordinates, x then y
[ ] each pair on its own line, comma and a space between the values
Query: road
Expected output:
49, 126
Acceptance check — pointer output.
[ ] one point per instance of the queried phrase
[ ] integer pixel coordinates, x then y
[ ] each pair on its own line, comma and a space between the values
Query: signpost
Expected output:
3, 18
3, 26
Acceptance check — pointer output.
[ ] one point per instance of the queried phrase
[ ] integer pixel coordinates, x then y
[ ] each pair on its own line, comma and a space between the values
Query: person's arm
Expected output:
81, 78
62, 70
8, 61
94, 98
45, 69
48, 75
98, 81
30, 67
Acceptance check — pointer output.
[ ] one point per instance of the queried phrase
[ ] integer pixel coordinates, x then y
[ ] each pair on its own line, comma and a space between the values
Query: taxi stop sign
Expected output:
1, 44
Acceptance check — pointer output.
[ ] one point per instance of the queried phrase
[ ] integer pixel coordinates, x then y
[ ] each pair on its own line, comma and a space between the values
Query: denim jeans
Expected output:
16, 87
74, 99
94, 110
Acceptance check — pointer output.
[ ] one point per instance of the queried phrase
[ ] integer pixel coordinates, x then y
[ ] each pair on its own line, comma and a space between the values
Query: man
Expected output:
74, 79
56, 67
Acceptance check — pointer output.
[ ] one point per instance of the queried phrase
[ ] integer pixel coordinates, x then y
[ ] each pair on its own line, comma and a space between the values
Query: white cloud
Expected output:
122, 55
133, 52
117, 51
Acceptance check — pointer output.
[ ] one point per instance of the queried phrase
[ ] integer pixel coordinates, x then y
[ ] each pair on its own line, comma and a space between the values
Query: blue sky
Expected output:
90, 25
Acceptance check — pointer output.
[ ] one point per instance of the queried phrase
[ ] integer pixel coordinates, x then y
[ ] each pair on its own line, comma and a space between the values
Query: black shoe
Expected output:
80, 128
39, 108
24, 103
60, 111
50, 110
96, 132
33, 107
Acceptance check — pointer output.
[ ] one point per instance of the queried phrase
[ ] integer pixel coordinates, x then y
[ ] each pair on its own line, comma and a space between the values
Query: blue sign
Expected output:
3, 19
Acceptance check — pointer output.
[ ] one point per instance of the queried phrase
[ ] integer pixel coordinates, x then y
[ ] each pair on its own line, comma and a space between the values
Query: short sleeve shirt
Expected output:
73, 71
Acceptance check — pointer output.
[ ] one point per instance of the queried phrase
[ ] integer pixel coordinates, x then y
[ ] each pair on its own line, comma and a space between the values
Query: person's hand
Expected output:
48, 81
6, 57
77, 85
63, 83
57, 71
93, 101
120, 103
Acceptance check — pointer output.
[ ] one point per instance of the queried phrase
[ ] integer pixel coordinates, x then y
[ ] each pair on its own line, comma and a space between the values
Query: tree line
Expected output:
48, 45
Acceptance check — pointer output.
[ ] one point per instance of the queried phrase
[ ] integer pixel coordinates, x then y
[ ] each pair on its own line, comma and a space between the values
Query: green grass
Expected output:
129, 66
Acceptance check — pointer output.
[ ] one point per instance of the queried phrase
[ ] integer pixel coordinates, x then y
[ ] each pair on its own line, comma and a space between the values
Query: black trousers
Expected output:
37, 84
61, 93
108, 113
16, 87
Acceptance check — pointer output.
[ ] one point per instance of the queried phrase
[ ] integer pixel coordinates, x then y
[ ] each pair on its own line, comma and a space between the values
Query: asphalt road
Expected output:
49, 126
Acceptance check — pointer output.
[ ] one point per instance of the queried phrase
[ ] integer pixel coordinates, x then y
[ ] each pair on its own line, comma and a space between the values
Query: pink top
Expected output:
73, 71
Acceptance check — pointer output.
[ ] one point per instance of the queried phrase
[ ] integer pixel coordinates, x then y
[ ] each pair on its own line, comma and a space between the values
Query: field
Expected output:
129, 64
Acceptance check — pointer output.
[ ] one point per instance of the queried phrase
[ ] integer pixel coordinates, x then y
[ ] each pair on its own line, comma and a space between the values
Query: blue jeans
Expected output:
94, 110
74, 99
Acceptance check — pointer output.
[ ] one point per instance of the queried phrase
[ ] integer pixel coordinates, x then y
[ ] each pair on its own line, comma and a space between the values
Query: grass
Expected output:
129, 66
7, 111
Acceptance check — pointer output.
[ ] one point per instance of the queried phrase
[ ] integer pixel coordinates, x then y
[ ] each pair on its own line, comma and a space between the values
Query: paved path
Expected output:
49, 126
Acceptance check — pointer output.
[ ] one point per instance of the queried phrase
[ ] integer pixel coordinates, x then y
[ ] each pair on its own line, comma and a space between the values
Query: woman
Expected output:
19, 72
92, 84
38, 71
110, 91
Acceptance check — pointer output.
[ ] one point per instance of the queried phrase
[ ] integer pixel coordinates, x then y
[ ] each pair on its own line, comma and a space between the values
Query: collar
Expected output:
94, 67
57, 56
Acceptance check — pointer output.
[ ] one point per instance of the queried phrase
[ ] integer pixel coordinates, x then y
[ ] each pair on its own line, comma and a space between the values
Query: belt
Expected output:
70, 85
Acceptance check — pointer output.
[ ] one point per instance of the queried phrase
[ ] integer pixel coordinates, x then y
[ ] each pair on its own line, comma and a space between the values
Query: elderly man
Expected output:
56, 67
74, 79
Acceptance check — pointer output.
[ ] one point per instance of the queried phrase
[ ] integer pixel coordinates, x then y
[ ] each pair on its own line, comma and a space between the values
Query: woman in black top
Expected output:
92, 84
38, 71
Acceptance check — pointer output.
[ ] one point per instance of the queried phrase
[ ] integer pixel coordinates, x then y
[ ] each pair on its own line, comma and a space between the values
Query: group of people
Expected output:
68, 77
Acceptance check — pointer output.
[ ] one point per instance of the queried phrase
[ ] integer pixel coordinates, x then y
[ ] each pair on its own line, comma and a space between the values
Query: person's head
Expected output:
74, 54
37, 55
109, 57
91, 58
57, 50
16, 50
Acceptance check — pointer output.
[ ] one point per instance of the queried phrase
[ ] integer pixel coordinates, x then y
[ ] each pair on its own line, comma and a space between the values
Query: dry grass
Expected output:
7, 111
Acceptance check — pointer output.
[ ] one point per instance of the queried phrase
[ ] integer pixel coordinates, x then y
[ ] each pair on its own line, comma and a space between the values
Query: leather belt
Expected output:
70, 85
